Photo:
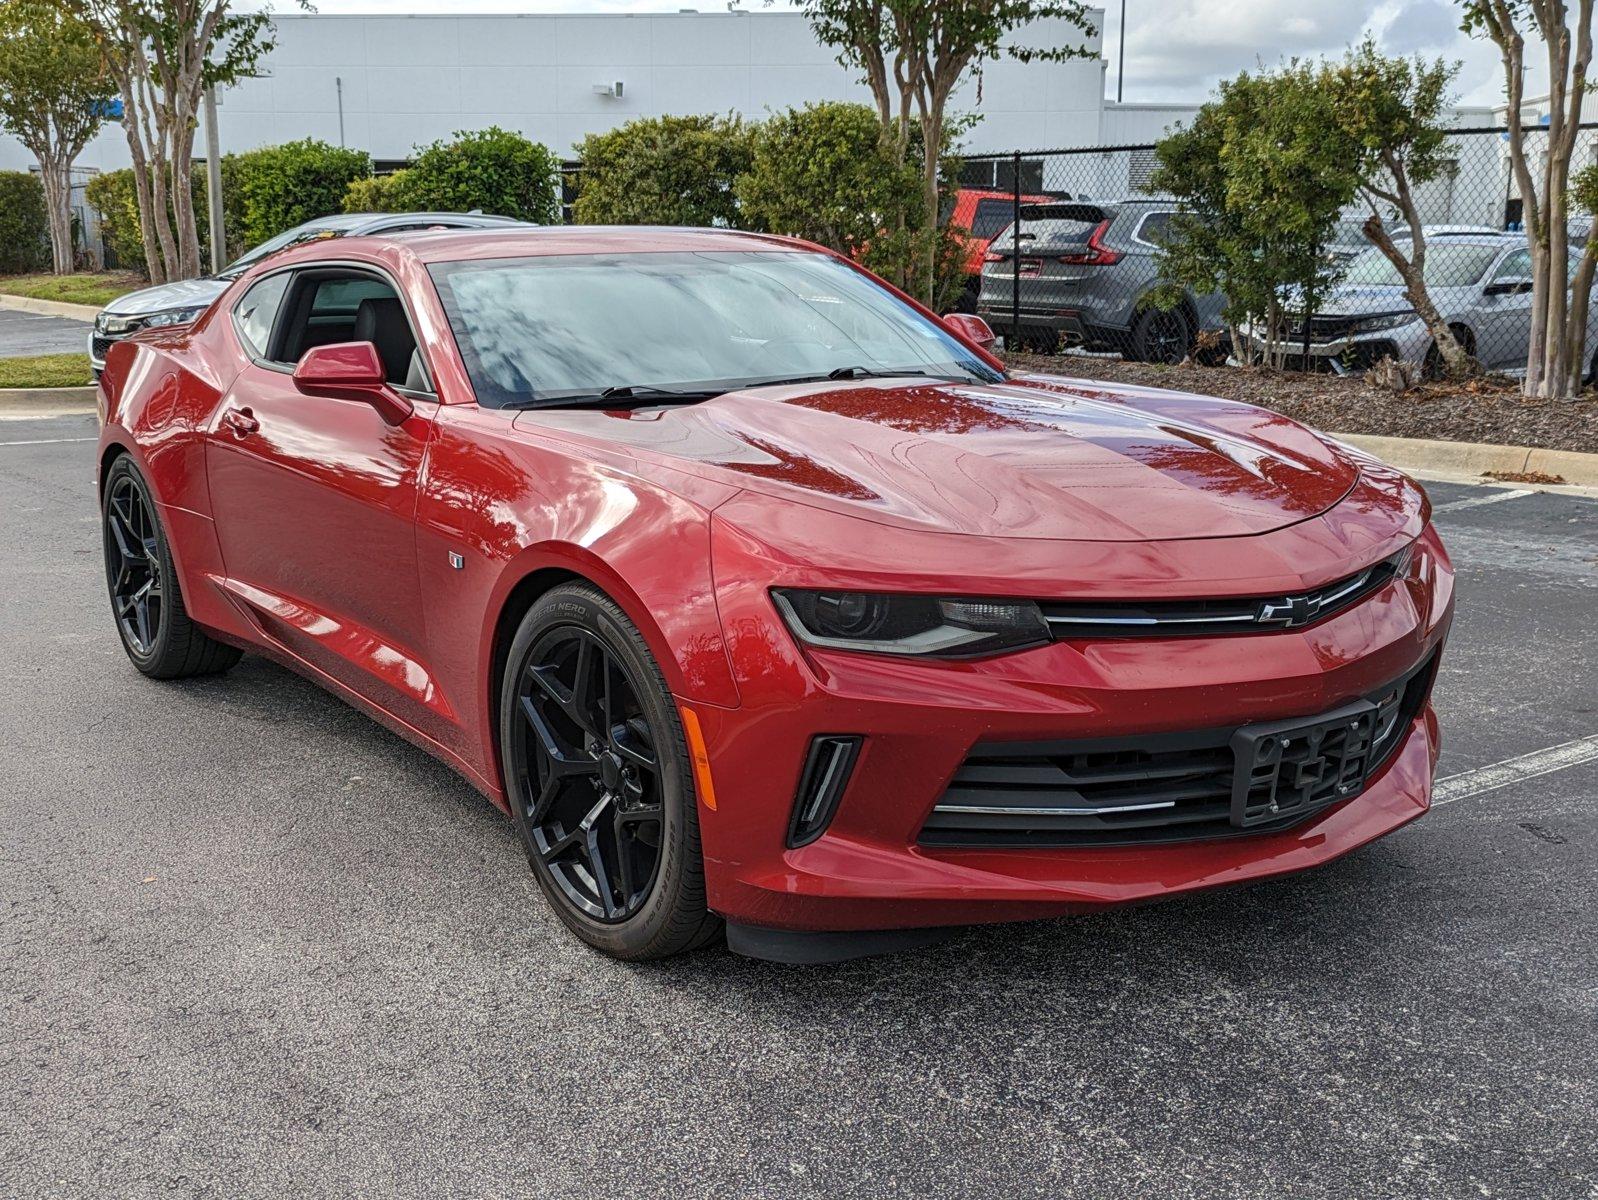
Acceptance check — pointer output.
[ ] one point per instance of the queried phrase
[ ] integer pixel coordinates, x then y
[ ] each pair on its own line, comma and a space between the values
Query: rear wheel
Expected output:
1161, 337
597, 775
146, 600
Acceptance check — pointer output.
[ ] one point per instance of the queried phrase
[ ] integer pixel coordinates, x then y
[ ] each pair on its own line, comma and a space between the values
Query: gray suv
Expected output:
1086, 273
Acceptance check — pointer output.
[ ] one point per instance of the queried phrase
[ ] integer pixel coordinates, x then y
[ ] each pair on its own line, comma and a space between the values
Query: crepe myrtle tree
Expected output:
162, 55
1390, 112
1555, 353
1261, 180
914, 53
53, 96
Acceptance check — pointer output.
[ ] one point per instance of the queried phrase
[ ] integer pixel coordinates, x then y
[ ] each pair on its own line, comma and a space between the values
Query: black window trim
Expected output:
323, 264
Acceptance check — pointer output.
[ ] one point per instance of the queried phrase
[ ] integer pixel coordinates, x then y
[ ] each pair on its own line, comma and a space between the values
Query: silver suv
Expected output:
1479, 282
1085, 276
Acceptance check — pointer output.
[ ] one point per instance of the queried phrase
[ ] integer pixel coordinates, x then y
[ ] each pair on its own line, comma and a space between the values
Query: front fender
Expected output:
498, 508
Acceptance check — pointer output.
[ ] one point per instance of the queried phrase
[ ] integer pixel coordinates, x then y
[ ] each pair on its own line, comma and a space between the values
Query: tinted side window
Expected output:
1515, 266
991, 217
254, 314
341, 297
1153, 228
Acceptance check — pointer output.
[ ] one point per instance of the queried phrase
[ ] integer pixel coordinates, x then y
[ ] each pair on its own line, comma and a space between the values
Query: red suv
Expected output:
985, 214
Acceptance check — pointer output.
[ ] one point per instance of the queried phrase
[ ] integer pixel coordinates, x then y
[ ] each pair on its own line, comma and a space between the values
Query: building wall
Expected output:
403, 81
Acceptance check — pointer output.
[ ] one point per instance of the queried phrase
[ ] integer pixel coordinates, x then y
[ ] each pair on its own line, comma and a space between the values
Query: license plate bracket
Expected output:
1287, 769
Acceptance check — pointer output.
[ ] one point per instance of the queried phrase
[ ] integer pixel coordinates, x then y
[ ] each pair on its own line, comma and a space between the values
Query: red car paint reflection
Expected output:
386, 559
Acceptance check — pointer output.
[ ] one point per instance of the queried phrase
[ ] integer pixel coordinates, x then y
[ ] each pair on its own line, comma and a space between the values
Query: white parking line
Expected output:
1477, 501
1513, 770
48, 441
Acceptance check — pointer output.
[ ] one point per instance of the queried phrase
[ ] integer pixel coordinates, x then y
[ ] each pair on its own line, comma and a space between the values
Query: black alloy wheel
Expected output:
1161, 337
146, 599
133, 563
595, 812
598, 780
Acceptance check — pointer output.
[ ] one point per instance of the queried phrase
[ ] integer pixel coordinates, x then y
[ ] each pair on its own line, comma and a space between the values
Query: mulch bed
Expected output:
1485, 410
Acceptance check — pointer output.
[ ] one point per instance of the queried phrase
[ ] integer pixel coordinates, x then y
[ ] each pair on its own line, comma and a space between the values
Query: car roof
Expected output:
359, 221
530, 241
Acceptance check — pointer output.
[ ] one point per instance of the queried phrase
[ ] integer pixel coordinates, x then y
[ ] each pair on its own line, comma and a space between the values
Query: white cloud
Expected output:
1178, 50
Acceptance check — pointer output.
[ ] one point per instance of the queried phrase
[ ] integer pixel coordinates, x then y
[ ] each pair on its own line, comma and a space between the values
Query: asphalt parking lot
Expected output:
23, 333
253, 945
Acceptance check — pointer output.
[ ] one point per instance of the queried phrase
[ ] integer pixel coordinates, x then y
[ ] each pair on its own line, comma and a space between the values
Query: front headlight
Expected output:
174, 316
116, 326
1384, 321
929, 626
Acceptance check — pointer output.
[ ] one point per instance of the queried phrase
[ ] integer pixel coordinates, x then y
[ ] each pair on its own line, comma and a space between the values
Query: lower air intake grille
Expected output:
821, 784
1175, 786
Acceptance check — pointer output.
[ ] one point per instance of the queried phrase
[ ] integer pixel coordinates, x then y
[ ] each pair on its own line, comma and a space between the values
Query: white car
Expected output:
183, 301
1480, 283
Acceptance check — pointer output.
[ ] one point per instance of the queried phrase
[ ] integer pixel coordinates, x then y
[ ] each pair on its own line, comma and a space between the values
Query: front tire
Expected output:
598, 779
146, 600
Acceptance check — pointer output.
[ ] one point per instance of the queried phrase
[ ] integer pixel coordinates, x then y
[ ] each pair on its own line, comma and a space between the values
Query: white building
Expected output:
386, 84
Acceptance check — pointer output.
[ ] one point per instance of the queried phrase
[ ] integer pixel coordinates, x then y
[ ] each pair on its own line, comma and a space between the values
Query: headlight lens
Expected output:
928, 626
1385, 321
174, 316
106, 323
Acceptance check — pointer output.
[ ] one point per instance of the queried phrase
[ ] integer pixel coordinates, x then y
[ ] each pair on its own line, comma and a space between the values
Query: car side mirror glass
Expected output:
972, 328
351, 371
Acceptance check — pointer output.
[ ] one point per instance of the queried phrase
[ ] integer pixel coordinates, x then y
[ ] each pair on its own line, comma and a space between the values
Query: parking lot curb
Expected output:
46, 402
1476, 458
49, 308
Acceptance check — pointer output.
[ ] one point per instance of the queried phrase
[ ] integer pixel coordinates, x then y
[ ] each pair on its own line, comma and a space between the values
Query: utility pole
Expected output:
1120, 55
213, 182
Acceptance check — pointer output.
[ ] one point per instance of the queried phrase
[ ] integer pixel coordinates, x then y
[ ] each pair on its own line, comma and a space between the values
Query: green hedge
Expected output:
279, 187
376, 194
491, 169
664, 171
24, 227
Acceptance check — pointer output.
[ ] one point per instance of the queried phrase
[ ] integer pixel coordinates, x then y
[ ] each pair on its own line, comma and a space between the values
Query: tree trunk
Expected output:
1576, 320
58, 206
1456, 361
931, 127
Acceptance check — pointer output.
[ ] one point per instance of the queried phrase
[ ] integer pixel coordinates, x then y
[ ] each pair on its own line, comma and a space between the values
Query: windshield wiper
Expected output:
615, 397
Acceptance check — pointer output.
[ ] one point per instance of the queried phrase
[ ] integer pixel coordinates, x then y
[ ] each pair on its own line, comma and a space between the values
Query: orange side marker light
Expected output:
700, 757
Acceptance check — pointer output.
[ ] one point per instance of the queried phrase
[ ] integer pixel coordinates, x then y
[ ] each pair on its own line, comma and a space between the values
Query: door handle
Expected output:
241, 421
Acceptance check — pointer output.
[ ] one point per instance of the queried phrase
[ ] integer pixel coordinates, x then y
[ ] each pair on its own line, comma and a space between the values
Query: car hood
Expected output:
1350, 301
1026, 458
185, 293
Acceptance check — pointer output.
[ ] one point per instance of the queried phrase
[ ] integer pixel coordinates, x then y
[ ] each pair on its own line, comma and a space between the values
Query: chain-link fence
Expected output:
1072, 261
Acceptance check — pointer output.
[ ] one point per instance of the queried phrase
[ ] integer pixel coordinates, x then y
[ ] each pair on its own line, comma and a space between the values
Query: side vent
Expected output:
828, 766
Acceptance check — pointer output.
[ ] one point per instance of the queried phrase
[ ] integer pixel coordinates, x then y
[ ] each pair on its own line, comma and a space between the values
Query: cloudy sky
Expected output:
1175, 49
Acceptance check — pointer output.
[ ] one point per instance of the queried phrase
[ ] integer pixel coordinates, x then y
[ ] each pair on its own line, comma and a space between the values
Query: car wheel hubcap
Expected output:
590, 775
133, 564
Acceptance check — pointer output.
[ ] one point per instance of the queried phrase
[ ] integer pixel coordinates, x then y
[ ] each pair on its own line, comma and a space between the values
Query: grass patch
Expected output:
85, 288
45, 371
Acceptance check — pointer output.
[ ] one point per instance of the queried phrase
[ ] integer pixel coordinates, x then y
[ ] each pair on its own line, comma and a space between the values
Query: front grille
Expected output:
99, 345
1173, 787
1207, 618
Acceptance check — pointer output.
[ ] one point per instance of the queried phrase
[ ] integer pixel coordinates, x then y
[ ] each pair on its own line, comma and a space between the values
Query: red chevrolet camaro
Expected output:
762, 599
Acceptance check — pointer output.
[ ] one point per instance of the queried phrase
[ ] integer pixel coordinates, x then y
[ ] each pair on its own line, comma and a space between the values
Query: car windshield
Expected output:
1448, 264
310, 231
542, 331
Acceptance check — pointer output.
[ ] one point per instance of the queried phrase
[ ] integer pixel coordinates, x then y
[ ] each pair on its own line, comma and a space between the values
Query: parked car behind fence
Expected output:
1084, 274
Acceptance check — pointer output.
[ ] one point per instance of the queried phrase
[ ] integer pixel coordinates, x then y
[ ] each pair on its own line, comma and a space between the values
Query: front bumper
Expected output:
870, 870
1355, 351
